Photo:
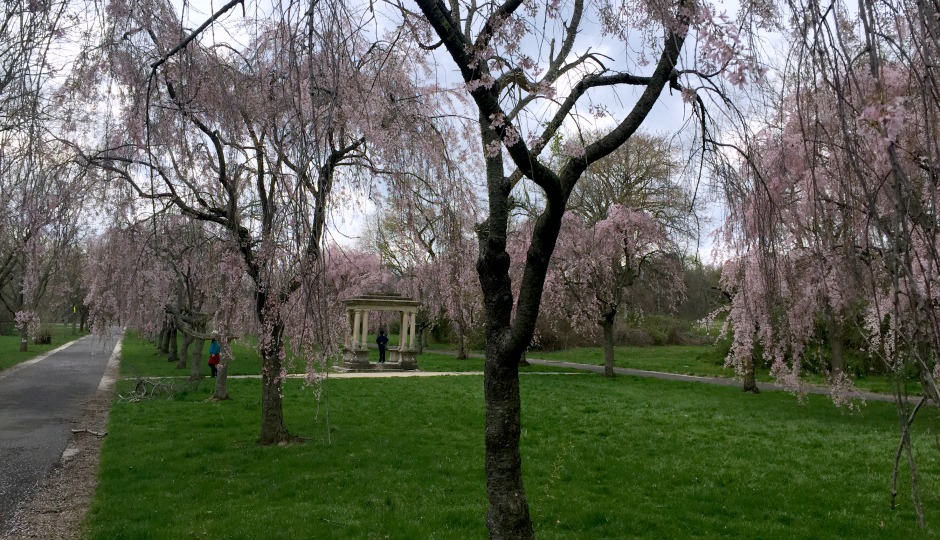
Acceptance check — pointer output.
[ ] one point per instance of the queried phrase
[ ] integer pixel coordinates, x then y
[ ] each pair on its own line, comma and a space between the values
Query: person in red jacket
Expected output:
214, 354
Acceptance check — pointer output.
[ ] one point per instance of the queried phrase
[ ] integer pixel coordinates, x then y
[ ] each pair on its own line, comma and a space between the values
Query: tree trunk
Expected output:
750, 382
608, 324
835, 345
419, 338
164, 346
195, 366
461, 343
24, 339
83, 321
273, 430
508, 513
184, 354
174, 346
221, 380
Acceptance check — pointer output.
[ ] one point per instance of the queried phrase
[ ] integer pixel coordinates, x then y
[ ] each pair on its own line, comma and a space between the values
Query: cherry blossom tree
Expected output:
42, 203
836, 204
40, 195
595, 267
527, 72
254, 138
425, 234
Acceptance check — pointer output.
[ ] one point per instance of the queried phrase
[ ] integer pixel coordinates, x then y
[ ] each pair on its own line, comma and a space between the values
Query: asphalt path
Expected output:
39, 402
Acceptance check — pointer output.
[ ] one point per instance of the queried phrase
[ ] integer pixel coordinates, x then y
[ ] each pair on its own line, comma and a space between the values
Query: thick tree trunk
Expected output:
24, 339
84, 320
750, 381
184, 354
608, 325
419, 338
835, 345
461, 343
273, 430
174, 346
508, 513
195, 366
164, 346
221, 381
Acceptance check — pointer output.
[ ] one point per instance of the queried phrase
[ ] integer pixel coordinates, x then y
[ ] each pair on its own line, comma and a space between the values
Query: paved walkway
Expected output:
39, 401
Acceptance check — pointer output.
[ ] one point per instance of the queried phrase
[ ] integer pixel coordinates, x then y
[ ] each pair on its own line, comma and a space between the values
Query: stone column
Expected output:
408, 359
355, 330
403, 333
365, 329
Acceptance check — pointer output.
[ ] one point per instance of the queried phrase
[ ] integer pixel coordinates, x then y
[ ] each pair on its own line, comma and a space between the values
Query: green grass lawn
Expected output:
10, 354
143, 360
700, 360
621, 458
447, 362
684, 359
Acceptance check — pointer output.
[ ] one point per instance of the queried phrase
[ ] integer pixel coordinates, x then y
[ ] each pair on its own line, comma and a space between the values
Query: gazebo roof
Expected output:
383, 301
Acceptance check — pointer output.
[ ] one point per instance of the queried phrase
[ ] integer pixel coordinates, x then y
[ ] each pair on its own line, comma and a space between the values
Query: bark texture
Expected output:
608, 324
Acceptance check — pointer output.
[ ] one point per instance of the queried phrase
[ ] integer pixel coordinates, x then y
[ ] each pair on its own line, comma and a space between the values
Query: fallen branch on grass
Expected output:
96, 433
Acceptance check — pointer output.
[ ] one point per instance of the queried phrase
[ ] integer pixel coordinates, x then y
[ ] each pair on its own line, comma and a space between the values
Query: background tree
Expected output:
596, 267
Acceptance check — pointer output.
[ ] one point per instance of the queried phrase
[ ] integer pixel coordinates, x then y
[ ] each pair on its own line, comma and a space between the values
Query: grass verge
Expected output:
10, 354
699, 360
402, 458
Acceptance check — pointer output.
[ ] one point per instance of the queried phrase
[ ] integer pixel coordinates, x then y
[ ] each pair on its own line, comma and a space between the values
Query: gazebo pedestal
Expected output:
358, 361
407, 359
355, 359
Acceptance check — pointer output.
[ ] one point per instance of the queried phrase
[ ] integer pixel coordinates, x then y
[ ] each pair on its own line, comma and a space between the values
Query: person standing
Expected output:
382, 341
215, 352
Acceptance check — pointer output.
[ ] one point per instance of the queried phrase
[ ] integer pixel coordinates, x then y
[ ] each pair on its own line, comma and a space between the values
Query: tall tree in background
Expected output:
510, 84
643, 174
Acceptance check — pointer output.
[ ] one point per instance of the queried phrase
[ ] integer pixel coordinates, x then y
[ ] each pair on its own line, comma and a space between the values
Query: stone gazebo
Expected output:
356, 352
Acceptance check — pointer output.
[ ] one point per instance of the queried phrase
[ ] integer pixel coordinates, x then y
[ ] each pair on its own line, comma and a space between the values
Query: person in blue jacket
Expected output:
382, 341
215, 352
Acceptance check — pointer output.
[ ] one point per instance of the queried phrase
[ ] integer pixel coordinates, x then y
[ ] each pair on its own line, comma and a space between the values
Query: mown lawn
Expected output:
143, 360
621, 458
684, 359
700, 360
10, 354
447, 362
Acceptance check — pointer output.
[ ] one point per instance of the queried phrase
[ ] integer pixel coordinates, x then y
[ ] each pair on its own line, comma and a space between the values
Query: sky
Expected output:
668, 116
